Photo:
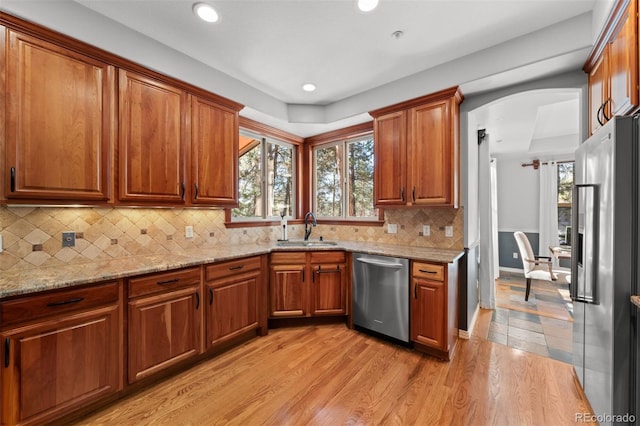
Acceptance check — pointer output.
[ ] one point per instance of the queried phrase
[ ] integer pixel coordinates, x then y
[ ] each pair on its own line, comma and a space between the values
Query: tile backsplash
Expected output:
32, 236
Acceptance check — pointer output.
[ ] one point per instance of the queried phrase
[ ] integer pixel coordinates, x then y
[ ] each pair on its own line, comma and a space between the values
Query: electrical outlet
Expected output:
426, 230
515, 254
68, 239
392, 228
188, 231
1, 245
448, 231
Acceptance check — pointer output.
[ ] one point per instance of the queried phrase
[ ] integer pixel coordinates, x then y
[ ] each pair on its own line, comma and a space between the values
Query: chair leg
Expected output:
526, 295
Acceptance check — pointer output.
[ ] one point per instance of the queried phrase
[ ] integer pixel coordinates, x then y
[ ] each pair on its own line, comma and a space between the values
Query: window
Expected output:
266, 181
565, 187
343, 179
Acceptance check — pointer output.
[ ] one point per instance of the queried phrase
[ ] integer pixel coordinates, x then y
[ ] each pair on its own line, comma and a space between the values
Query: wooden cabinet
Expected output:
434, 308
214, 153
328, 283
164, 321
304, 284
417, 151
234, 299
61, 351
152, 140
60, 116
165, 131
613, 72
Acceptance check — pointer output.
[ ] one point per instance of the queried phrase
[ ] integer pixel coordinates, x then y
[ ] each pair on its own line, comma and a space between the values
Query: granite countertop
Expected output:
34, 280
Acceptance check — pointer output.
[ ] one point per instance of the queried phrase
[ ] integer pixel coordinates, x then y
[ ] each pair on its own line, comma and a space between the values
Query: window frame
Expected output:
268, 134
344, 136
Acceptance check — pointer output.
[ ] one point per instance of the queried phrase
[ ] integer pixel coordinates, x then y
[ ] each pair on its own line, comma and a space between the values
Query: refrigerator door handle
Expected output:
580, 291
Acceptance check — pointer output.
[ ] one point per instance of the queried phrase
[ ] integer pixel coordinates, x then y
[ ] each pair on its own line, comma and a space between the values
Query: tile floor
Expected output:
541, 325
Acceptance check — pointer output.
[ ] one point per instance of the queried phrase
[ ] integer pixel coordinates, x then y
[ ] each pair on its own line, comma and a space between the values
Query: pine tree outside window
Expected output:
343, 180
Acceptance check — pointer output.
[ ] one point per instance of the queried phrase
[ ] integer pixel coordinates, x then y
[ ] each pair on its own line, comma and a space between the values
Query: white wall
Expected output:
601, 11
518, 196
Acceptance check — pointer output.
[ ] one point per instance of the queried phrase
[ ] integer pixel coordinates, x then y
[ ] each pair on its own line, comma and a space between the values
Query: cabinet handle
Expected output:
424, 271
604, 114
598, 115
13, 179
197, 300
402, 194
210, 296
66, 302
235, 268
7, 351
196, 188
303, 275
415, 291
175, 280
184, 188
413, 194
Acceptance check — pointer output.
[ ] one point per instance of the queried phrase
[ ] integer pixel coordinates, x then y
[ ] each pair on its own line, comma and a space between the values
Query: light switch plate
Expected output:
1, 244
448, 231
188, 231
392, 228
515, 255
426, 230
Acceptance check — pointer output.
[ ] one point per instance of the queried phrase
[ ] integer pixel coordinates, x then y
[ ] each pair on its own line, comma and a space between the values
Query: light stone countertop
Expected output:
13, 283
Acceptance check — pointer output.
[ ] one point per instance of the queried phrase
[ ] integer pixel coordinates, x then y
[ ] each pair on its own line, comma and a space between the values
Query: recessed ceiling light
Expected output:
367, 5
308, 87
205, 12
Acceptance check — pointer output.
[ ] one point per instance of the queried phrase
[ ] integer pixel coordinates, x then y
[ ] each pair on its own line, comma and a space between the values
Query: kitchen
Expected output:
120, 232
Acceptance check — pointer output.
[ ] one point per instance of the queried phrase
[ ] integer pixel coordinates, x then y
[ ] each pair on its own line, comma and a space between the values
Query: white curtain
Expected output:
487, 272
548, 208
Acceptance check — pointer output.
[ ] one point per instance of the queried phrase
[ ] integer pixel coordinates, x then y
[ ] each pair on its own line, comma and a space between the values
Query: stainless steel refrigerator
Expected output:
605, 267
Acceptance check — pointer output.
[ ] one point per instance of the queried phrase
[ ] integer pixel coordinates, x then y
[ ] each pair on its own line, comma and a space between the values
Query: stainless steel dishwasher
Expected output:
381, 294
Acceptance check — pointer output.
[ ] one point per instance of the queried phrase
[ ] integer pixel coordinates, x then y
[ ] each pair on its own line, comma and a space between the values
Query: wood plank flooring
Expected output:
330, 375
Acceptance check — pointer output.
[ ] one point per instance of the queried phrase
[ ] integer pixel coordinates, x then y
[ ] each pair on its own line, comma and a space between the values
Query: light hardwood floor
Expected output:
330, 375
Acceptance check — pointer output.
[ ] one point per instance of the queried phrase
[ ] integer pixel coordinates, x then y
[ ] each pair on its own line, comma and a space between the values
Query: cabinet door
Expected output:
390, 175
430, 155
428, 325
214, 154
329, 295
164, 329
59, 365
623, 62
232, 307
599, 92
60, 115
287, 291
152, 140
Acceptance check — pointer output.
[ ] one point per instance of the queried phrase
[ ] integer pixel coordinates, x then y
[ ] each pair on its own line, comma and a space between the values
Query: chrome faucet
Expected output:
307, 229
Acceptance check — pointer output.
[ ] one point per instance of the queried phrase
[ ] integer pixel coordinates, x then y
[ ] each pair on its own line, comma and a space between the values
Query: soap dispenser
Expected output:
283, 224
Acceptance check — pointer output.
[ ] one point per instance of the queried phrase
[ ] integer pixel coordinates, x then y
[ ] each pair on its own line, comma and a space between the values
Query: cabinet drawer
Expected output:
158, 283
289, 257
39, 306
224, 269
428, 271
328, 257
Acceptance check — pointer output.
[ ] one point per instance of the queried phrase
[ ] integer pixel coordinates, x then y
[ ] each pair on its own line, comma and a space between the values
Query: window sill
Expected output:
258, 223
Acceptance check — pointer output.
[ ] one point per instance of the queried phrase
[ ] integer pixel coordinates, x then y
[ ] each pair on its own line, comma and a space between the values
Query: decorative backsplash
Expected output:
32, 236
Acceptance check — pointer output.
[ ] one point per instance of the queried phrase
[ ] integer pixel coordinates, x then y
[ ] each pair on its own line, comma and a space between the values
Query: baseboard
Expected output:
466, 334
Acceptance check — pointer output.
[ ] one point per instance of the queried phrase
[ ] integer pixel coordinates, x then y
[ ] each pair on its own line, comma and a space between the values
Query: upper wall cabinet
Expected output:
60, 121
417, 151
153, 138
214, 153
613, 67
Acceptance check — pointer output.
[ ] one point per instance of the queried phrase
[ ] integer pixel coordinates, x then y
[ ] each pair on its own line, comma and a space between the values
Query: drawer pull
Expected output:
175, 280
235, 268
427, 272
65, 302
7, 351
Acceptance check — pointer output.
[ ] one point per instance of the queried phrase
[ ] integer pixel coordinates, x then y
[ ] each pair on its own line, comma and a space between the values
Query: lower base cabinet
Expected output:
68, 354
164, 321
434, 308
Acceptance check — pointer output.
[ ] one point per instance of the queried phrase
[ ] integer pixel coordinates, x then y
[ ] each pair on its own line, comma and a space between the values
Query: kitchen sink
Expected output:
306, 243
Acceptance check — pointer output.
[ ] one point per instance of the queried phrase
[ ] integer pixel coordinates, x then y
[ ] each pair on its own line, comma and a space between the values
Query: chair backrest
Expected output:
526, 252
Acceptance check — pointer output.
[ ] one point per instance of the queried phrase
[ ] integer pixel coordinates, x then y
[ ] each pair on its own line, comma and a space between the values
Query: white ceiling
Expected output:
262, 51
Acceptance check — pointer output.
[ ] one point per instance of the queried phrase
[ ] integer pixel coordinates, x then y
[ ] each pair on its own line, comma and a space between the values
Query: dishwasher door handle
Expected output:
379, 263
